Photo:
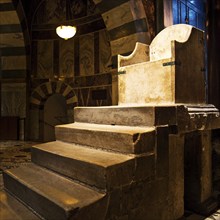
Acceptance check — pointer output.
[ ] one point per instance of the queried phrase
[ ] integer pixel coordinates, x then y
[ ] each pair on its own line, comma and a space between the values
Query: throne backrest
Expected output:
161, 48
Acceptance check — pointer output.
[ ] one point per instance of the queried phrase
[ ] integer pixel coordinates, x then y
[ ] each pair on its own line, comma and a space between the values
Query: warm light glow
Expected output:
66, 32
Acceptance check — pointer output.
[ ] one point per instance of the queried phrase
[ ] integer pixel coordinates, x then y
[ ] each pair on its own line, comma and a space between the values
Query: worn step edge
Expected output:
40, 189
108, 128
138, 115
12, 208
124, 139
98, 168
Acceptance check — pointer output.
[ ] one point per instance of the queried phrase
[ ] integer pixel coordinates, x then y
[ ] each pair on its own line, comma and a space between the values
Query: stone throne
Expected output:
170, 73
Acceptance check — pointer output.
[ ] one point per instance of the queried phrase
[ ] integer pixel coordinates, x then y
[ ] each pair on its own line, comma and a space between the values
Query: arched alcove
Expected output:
46, 94
54, 113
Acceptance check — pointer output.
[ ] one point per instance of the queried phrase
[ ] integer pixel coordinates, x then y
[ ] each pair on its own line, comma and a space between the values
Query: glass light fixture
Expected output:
66, 31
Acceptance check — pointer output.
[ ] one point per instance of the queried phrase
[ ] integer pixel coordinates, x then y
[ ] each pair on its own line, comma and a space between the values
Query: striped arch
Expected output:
43, 91
126, 24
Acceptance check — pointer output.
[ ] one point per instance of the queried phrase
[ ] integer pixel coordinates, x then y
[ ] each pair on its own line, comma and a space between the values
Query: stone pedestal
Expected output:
198, 175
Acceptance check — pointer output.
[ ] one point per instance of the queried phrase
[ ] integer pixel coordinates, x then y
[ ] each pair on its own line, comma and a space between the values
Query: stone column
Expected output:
198, 172
176, 175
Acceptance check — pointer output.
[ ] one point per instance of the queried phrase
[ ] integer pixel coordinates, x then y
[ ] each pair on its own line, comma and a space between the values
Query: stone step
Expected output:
124, 139
98, 168
127, 115
12, 209
53, 196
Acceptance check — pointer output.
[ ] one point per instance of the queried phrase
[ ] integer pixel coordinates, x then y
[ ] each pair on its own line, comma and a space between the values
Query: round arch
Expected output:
43, 91
38, 99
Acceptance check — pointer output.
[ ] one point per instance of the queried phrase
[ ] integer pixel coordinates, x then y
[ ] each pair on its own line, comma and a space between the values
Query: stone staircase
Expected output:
89, 170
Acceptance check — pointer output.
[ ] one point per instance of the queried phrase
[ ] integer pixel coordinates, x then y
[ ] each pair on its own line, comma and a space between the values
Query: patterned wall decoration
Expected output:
86, 52
78, 8
66, 58
50, 12
91, 8
105, 55
45, 59
13, 98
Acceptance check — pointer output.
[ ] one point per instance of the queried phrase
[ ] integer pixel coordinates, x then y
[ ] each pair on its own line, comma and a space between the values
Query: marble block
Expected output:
169, 71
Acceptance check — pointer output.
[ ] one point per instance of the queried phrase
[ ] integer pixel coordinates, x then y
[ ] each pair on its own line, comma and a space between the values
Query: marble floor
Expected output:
16, 153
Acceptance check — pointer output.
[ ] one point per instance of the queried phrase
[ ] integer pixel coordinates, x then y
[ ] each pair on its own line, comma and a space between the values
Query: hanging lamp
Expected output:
66, 31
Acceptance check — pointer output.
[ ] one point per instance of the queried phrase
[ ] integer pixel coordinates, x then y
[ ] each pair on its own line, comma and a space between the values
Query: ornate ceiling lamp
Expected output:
66, 31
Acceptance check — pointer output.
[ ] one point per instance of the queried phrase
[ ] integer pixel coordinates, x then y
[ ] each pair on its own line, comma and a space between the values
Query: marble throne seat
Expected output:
168, 71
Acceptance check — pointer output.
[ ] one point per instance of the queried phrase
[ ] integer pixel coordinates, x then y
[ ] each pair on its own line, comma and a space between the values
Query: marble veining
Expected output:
67, 58
87, 54
45, 59
105, 56
50, 12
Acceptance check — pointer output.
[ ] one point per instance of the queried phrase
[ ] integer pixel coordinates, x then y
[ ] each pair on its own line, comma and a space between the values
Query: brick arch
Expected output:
126, 24
43, 91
